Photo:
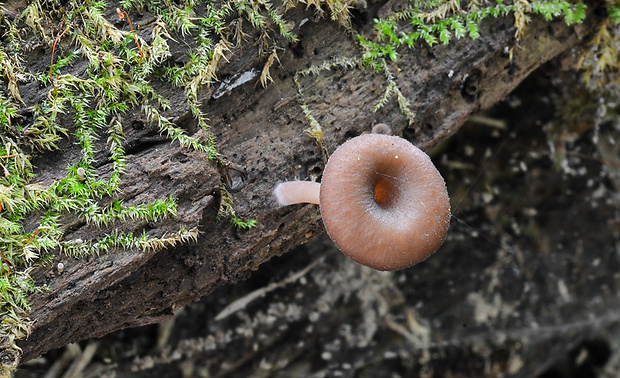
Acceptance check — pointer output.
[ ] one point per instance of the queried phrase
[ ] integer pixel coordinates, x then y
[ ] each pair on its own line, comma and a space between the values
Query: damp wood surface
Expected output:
262, 130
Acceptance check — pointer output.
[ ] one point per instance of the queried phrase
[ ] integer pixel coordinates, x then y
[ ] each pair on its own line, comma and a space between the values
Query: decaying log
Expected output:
262, 130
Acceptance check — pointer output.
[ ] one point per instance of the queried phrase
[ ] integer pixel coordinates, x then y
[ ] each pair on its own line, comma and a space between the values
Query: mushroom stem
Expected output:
292, 192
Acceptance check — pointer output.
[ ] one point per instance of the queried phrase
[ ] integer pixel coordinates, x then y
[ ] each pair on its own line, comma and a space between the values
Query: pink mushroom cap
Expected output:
383, 202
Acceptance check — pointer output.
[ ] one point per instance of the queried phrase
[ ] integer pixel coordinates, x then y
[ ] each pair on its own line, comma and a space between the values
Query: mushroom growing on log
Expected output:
383, 202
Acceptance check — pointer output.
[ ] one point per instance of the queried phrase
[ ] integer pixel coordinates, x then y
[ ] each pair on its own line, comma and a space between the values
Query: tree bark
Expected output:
262, 130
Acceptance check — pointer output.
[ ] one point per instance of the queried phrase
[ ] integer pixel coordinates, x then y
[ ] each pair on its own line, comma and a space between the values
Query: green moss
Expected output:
441, 21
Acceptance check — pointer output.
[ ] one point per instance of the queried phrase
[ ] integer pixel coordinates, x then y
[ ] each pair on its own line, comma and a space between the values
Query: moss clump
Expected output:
441, 21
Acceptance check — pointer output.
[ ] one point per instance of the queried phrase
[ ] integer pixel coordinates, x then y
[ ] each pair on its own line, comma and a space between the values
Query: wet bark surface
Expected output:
262, 131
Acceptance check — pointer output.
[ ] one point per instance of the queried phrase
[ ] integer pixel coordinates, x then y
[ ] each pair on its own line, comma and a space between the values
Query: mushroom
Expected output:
383, 202
381, 128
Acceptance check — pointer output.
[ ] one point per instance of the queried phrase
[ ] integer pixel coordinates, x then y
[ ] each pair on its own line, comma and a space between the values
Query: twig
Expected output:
120, 14
6, 262
242, 302
72, 351
6, 171
54, 48
32, 237
82, 361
